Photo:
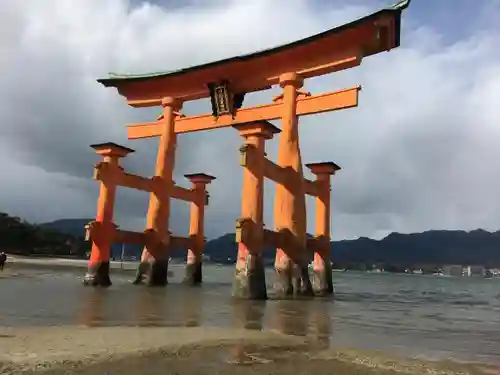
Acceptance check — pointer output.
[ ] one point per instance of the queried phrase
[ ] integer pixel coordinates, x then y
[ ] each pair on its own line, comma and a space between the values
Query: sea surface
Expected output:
411, 315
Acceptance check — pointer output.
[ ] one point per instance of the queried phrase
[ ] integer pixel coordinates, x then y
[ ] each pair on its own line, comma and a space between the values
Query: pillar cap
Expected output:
259, 128
199, 178
326, 167
169, 101
291, 78
111, 149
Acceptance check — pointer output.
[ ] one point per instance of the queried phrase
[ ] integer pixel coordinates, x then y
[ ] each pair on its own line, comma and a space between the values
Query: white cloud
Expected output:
419, 152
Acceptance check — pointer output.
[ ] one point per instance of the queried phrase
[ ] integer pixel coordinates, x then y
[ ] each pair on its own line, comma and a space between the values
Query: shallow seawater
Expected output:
408, 315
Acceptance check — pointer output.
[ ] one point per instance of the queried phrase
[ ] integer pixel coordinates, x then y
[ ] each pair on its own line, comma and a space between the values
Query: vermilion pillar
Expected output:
290, 203
154, 260
196, 227
102, 230
249, 280
322, 280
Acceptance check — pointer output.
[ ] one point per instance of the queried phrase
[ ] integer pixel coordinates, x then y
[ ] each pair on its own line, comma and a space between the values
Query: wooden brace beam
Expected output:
274, 239
129, 237
184, 243
307, 105
284, 240
133, 181
318, 244
183, 194
274, 172
311, 188
139, 238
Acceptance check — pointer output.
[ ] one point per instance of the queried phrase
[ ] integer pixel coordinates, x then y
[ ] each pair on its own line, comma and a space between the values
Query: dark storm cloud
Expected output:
419, 151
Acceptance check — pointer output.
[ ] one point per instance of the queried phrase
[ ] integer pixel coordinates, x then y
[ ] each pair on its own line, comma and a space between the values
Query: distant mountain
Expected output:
404, 250
76, 228
23, 238
435, 247
73, 227
431, 247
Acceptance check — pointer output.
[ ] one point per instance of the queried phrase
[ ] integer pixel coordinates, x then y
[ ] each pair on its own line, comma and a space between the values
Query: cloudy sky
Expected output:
422, 150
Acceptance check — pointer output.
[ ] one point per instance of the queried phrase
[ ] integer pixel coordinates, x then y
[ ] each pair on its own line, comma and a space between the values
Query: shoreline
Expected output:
127, 266
16, 265
65, 262
196, 350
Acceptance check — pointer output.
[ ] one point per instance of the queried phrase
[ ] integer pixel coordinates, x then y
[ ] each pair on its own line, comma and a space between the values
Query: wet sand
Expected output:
194, 350
26, 349
8, 273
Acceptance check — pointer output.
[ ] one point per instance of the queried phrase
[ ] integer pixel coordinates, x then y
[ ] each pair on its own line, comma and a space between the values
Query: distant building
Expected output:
467, 271
474, 271
495, 272
453, 270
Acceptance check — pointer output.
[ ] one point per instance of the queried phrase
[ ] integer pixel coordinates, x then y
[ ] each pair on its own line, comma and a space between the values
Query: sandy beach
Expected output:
29, 348
193, 350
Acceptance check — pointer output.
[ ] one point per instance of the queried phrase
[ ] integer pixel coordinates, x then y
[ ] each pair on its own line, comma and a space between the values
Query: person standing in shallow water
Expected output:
3, 260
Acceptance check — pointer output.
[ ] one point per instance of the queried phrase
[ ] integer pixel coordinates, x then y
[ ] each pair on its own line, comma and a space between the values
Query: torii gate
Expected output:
226, 82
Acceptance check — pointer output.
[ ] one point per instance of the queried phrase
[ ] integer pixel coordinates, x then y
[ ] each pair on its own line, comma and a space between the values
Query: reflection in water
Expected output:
192, 307
297, 318
184, 307
321, 322
175, 306
291, 317
92, 311
248, 314
151, 307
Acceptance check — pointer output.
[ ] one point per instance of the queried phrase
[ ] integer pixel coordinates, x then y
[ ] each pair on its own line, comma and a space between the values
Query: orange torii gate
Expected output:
226, 82
103, 232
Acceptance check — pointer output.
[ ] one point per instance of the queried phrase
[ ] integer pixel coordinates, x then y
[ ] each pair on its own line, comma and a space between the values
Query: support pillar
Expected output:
102, 230
196, 227
292, 276
154, 260
322, 277
249, 279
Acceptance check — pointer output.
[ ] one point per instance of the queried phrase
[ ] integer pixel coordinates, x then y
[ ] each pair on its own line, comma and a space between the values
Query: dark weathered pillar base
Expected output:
293, 281
152, 273
193, 274
283, 287
323, 281
250, 283
301, 282
97, 275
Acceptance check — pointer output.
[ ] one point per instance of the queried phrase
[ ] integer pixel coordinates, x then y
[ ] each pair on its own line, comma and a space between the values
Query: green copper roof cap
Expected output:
114, 78
140, 75
401, 5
